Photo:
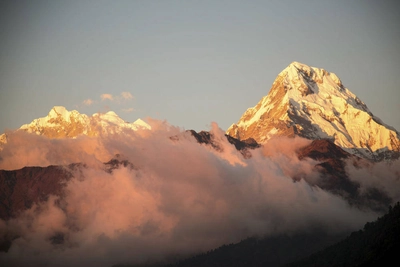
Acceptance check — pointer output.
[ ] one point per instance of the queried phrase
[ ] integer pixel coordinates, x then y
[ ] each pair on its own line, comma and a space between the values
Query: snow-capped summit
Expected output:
140, 122
313, 103
61, 123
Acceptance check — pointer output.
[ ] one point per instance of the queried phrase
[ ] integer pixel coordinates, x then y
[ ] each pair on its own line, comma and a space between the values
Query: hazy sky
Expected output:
188, 62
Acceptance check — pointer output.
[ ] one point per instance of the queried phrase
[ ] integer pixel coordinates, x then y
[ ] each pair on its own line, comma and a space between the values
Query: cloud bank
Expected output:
178, 197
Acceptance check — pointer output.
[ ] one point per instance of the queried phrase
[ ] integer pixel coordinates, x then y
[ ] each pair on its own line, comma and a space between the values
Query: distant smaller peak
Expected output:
107, 114
111, 113
139, 121
59, 109
142, 123
61, 112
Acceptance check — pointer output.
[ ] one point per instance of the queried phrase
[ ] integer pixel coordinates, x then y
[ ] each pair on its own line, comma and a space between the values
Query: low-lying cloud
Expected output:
383, 176
179, 197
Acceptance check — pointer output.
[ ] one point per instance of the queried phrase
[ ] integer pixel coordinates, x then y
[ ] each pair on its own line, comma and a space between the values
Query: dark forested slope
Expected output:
375, 245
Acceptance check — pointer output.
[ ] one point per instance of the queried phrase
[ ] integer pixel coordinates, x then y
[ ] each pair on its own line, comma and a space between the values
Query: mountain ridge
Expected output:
61, 123
313, 103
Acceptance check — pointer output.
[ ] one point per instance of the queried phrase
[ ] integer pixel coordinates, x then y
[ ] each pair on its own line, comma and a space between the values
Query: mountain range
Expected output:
303, 101
61, 123
310, 149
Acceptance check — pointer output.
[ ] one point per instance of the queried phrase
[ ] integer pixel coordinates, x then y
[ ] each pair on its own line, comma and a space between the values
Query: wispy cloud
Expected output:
88, 102
118, 98
123, 99
126, 95
128, 110
106, 96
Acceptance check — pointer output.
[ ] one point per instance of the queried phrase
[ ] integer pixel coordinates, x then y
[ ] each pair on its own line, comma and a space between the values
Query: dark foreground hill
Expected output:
375, 245
378, 244
271, 252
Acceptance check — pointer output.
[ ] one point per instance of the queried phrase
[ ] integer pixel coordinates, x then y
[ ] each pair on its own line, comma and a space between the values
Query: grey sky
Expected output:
189, 62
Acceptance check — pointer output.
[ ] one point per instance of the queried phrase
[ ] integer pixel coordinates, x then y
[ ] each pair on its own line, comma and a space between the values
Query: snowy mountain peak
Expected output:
61, 123
111, 113
59, 111
140, 122
313, 103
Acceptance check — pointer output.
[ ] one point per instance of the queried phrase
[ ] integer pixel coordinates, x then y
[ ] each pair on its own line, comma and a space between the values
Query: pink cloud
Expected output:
88, 102
127, 110
126, 95
106, 96
180, 197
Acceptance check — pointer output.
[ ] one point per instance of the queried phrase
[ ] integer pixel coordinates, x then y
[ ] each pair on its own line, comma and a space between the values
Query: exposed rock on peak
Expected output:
323, 149
205, 137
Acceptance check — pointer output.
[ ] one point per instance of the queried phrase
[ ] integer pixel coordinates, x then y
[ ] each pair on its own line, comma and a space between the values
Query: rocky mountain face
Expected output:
313, 103
331, 164
61, 123
22, 188
205, 137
